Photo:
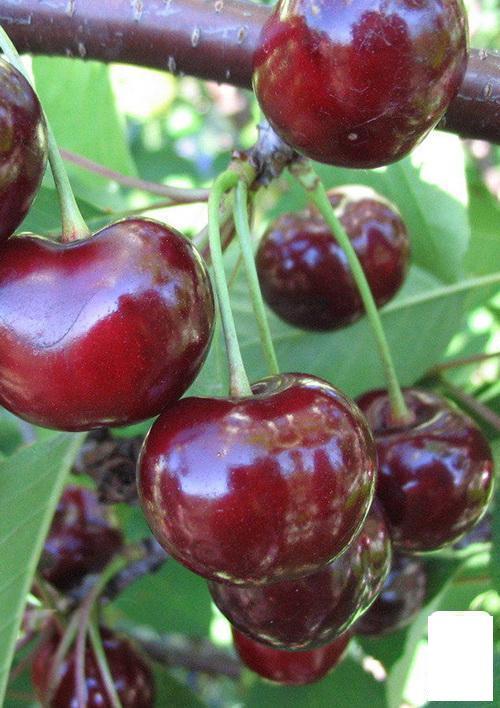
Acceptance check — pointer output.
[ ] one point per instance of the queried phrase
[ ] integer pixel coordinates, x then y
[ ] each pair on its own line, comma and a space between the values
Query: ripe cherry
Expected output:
258, 489
359, 84
23, 147
482, 532
294, 668
304, 274
104, 331
435, 474
81, 540
312, 611
401, 598
131, 676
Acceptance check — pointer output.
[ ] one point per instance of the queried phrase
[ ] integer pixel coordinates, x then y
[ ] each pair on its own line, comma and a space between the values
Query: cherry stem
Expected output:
239, 384
60, 654
304, 173
243, 230
103, 666
174, 195
83, 614
73, 224
465, 361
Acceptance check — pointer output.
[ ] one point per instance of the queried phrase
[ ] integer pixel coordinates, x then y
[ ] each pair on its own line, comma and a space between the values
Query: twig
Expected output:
177, 195
472, 404
464, 361
187, 652
153, 559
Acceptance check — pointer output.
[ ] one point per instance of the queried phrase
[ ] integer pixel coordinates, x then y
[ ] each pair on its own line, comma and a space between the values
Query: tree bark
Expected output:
210, 39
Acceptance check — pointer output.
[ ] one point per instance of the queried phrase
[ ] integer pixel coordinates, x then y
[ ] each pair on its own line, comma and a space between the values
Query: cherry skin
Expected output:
304, 274
131, 676
482, 532
81, 540
104, 331
435, 475
293, 668
312, 611
258, 489
23, 147
359, 84
401, 598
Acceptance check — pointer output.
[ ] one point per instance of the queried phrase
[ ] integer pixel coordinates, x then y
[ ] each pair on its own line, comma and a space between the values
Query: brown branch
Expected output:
210, 39
187, 653
152, 560
176, 195
464, 361
472, 404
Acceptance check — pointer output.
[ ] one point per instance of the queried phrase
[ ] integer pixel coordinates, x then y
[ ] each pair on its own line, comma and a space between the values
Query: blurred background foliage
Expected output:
181, 131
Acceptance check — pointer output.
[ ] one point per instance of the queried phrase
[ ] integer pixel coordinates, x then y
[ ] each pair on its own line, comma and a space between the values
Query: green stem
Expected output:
60, 654
304, 172
73, 224
239, 384
103, 666
245, 238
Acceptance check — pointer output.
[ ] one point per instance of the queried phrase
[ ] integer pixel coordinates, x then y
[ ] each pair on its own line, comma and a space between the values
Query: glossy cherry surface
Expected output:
435, 475
294, 668
105, 331
359, 83
258, 489
23, 147
81, 540
482, 532
401, 598
131, 676
312, 611
304, 273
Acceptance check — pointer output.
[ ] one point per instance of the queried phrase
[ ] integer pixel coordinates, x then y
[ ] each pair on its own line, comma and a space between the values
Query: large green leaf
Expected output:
79, 102
31, 481
417, 332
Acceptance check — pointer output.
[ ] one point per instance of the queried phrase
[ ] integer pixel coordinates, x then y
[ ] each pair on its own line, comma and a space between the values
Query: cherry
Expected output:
435, 473
294, 668
304, 274
81, 539
482, 532
258, 489
23, 147
401, 598
104, 331
312, 611
359, 84
131, 676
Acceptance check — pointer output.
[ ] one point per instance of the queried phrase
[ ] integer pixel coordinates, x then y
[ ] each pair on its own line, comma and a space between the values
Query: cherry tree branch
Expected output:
210, 39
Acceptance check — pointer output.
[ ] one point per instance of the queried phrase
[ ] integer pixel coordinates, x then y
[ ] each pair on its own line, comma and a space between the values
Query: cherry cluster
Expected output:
300, 507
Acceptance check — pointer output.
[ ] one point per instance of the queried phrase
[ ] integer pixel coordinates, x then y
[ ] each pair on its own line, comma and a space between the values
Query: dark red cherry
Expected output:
312, 611
258, 489
23, 147
435, 475
482, 532
401, 598
359, 83
294, 668
81, 540
105, 331
304, 274
131, 676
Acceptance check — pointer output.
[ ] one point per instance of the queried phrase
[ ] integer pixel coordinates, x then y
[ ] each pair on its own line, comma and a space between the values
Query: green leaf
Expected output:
170, 692
78, 99
10, 433
348, 686
171, 600
418, 333
31, 482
